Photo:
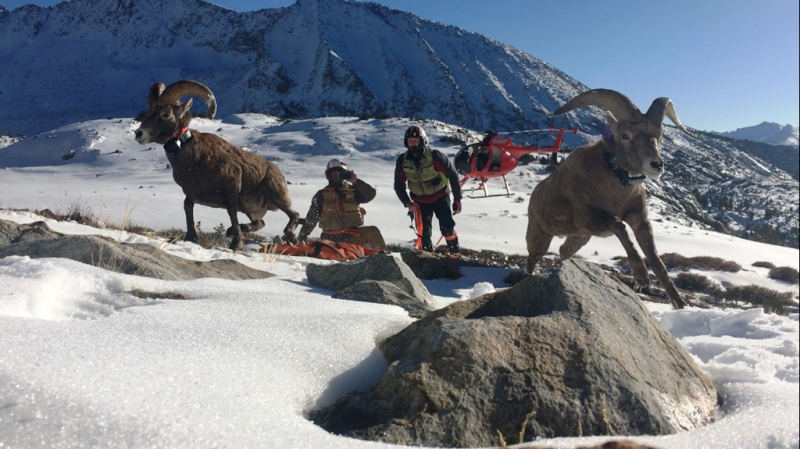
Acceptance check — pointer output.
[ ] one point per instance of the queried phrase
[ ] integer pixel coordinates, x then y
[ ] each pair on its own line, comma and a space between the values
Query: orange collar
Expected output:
180, 132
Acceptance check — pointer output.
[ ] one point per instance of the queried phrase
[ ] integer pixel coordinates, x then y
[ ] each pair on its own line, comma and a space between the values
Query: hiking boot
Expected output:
452, 247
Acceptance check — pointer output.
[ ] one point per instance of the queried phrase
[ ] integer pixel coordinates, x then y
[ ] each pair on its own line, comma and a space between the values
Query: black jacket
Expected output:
442, 165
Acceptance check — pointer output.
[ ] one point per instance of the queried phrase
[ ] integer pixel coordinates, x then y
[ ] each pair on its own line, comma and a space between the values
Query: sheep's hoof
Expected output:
290, 238
237, 245
192, 238
679, 304
641, 286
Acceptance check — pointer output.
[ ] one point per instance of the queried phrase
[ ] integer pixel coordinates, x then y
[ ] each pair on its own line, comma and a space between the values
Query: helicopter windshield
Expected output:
463, 159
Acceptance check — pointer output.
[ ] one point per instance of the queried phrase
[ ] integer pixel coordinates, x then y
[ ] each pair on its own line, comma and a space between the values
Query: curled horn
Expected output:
152, 97
663, 107
179, 89
619, 105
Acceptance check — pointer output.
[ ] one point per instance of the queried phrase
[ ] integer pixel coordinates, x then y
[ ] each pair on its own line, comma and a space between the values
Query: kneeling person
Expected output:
336, 209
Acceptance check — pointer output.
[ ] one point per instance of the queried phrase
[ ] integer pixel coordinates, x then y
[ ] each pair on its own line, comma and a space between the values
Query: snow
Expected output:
84, 363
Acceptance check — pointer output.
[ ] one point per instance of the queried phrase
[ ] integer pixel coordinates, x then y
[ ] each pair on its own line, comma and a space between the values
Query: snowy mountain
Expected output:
711, 182
85, 61
767, 132
90, 59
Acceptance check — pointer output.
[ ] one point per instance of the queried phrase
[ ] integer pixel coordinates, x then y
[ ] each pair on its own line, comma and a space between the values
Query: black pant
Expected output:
443, 213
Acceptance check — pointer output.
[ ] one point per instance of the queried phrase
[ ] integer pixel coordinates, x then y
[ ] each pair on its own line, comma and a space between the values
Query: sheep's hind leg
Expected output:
538, 243
191, 231
253, 226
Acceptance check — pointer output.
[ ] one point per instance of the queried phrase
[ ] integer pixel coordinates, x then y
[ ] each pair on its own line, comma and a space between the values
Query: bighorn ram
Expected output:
211, 171
600, 187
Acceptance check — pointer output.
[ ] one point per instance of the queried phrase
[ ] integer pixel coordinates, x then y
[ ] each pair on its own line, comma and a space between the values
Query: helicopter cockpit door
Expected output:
488, 156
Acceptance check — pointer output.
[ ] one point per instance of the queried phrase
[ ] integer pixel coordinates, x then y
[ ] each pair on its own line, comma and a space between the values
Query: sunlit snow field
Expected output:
85, 364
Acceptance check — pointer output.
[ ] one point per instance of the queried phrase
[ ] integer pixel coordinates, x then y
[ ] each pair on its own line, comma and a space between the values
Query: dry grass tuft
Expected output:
763, 264
785, 274
772, 301
697, 283
675, 261
270, 252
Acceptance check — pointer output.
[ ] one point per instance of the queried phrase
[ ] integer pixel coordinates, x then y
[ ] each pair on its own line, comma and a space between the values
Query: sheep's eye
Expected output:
626, 136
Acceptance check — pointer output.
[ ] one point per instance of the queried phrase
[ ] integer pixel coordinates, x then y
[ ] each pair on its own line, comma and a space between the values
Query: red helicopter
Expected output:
495, 157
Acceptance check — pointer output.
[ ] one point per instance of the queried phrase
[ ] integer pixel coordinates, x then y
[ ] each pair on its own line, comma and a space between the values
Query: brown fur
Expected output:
583, 198
215, 173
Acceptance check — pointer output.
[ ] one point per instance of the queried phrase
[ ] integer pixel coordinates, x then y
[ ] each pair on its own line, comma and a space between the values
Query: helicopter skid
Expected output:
490, 196
485, 190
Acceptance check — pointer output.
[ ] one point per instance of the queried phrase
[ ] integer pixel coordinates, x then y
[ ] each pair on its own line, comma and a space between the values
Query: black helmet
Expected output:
415, 131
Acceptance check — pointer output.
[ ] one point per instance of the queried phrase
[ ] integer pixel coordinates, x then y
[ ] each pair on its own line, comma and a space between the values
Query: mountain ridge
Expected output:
767, 132
711, 182
88, 59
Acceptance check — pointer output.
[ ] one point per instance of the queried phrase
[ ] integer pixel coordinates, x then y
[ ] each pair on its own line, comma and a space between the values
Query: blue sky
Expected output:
725, 64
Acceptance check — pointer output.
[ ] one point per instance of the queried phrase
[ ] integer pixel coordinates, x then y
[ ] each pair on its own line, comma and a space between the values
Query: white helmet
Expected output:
335, 163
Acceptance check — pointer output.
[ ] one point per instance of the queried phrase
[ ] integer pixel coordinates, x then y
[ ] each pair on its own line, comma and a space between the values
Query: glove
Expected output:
456, 207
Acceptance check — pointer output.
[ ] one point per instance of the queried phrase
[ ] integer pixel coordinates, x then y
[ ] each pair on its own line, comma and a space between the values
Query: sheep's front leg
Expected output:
253, 226
191, 231
634, 259
237, 243
572, 245
601, 223
288, 231
283, 203
644, 235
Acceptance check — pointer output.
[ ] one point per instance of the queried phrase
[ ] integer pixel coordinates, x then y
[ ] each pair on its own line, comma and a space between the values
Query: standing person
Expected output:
428, 174
337, 209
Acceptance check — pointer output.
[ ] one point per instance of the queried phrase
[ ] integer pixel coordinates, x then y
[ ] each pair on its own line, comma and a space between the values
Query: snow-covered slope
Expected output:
711, 183
766, 132
90, 59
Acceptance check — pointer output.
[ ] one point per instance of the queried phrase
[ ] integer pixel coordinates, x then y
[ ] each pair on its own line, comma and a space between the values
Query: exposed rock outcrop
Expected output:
384, 292
356, 279
37, 241
428, 265
11, 232
568, 353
